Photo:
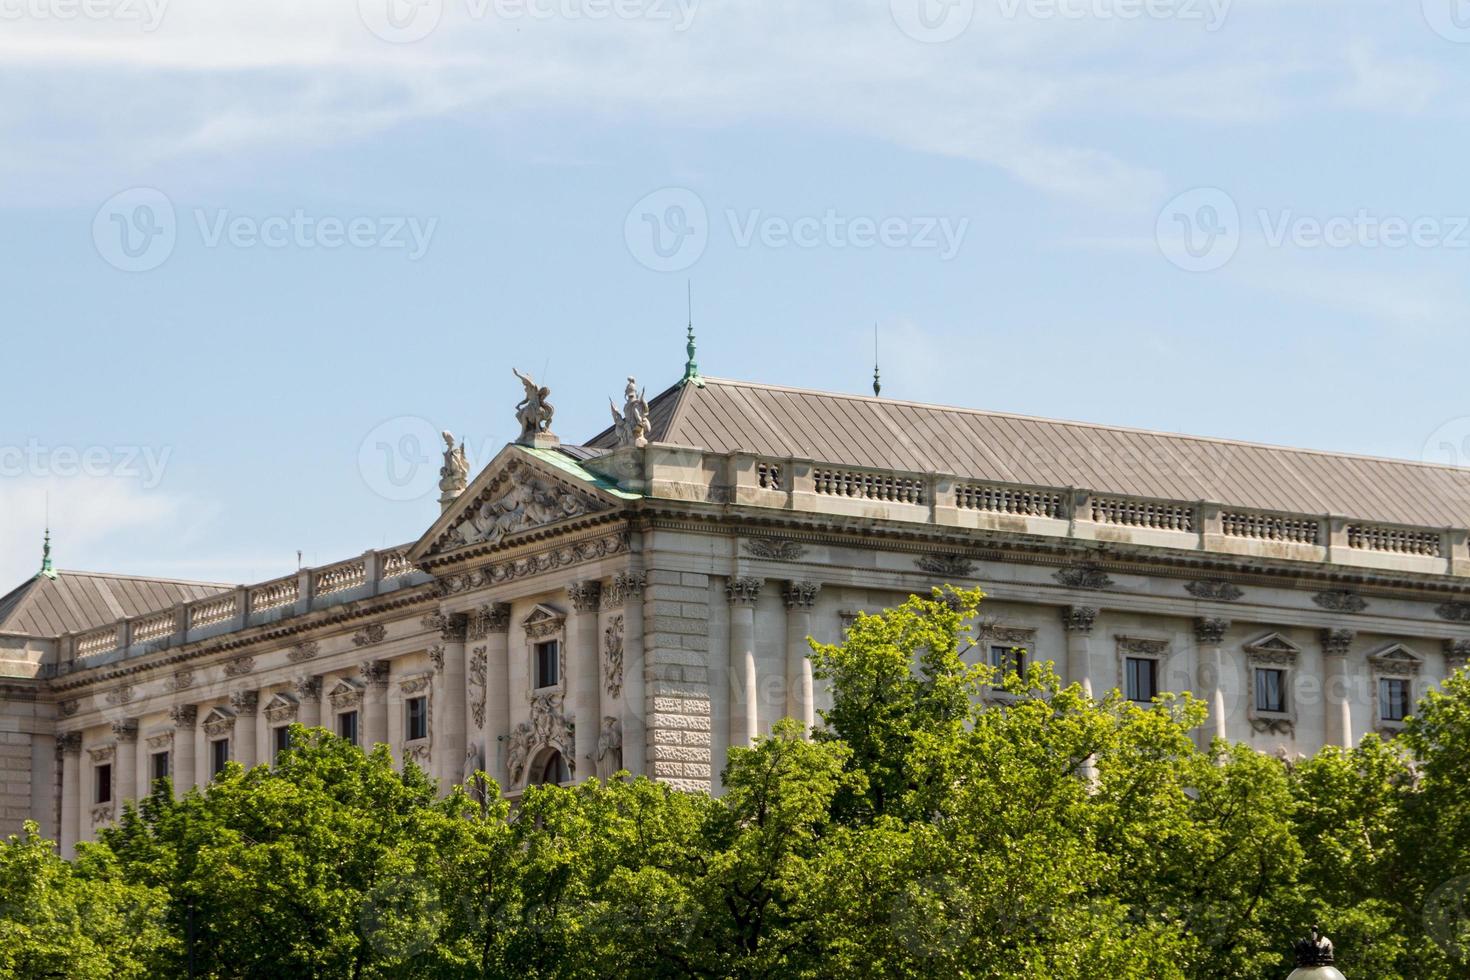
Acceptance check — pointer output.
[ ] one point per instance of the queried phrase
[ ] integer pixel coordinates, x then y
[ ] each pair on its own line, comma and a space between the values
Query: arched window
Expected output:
552, 771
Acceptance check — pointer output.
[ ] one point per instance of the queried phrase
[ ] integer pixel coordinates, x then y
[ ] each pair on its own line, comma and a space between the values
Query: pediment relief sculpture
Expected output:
1397, 660
1273, 649
521, 500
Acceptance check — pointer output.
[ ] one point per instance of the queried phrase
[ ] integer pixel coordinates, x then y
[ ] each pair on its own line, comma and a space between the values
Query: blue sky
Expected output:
1241, 219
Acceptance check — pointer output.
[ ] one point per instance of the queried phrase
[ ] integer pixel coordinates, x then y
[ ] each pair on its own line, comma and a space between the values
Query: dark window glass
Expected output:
418, 718
1142, 678
548, 665
219, 755
104, 784
1271, 690
281, 738
1393, 699
158, 765
1007, 660
347, 726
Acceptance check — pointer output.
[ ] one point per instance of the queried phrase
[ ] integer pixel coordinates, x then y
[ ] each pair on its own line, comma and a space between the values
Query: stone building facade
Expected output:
643, 601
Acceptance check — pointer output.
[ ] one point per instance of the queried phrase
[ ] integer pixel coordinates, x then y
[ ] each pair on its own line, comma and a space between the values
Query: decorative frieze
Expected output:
800, 595
239, 667
415, 683
1078, 619
1343, 602
303, 651
1145, 646
546, 561
1455, 612
612, 656
773, 549
1083, 577
946, 566
744, 590
1011, 636
184, 715
1210, 632
1215, 590
370, 635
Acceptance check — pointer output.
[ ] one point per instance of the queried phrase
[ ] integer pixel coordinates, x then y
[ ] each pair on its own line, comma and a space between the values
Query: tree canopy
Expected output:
942, 821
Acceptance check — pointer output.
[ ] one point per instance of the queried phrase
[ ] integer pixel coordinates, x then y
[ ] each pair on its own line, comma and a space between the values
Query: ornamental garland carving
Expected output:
1013, 636
417, 753
370, 635
519, 500
303, 651
414, 683
239, 667
101, 754
1142, 645
571, 554
612, 656
951, 566
548, 728
624, 587
1084, 577
436, 657
1455, 612
1347, 602
773, 550
1215, 590
477, 675
101, 813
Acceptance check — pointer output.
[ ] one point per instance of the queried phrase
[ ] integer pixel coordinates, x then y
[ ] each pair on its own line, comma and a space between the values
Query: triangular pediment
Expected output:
1273, 643
1396, 653
520, 492
544, 621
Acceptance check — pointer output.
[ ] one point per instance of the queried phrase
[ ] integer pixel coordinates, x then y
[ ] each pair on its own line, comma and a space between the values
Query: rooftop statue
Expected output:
454, 475
631, 424
534, 412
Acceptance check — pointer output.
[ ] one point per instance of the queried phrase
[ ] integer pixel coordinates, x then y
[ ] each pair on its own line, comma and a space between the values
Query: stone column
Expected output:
1077, 621
69, 751
374, 719
447, 705
246, 705
1209, 675
487, 693
125, 770
308, 691
743, 594
627, 595
585, 682
800, 689
1337, 702
184, 761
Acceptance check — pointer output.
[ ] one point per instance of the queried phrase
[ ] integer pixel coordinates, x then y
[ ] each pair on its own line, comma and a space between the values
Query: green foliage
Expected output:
944, 821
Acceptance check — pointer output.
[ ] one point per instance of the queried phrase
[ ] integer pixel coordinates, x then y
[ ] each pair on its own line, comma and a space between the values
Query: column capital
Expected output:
245, 702
1456, 654
307, 687
184, 715
1209, 631
1078, 619
374, 672
586, 596
800, 595
125, 730
744, 591
492, 617
1335, 643
69, 743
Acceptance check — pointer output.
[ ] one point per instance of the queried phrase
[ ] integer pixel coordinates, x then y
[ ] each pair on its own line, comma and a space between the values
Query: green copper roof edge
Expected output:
561, 462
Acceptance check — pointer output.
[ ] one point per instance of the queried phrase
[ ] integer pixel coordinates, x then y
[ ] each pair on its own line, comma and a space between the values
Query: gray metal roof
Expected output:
883, 434
74, 602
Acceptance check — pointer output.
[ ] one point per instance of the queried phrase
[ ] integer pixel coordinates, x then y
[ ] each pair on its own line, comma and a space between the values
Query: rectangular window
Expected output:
103, 793
1142, 678
1270, 690
418, 718
347, 726
1007, 660
158, 766
1393, 699
548, 663
219, 755
281, 738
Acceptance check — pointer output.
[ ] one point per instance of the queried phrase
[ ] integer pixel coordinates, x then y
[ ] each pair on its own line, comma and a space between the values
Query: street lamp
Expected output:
1314, 959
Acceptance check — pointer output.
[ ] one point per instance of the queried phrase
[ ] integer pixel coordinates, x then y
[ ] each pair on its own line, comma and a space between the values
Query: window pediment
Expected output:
1273, 649
544, 621
1397, 660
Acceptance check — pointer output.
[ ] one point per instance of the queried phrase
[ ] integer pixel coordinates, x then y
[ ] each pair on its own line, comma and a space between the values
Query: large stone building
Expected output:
643, 600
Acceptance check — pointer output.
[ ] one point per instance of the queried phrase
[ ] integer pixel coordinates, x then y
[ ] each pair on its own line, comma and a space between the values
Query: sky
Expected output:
257, 256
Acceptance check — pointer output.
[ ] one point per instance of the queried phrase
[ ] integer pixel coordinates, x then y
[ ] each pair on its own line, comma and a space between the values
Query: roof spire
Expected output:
47, 571
877, 381
691, 367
